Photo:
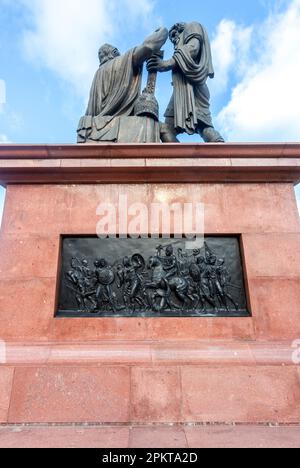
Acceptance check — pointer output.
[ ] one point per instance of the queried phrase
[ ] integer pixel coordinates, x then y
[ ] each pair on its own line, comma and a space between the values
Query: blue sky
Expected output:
48, 56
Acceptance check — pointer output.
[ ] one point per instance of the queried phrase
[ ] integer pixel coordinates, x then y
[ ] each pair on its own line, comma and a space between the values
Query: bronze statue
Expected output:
191, 66
119, 112
115, 94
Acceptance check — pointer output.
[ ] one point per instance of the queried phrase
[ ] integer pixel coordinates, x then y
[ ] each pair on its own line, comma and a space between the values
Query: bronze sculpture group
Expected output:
170, 280
119, 112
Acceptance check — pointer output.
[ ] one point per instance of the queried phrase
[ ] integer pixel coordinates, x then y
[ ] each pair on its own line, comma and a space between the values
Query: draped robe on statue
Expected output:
190, 103
115, 90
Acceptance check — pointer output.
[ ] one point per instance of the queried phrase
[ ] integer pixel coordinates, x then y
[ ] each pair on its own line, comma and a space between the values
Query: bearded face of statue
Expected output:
107, 52
175, 32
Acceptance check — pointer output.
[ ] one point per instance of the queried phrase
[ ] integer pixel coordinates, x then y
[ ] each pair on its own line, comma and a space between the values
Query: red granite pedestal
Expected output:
154, 370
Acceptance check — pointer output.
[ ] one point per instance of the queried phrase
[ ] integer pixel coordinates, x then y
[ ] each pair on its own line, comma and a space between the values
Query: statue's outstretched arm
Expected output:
156, 64
152, 44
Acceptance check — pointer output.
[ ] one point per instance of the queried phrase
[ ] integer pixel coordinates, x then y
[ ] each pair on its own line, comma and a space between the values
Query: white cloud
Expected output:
3, 139
2, 94
265, 105
65, 35
230, 49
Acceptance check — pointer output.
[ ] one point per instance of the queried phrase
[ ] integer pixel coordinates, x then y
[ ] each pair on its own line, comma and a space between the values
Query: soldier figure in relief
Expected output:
105, 278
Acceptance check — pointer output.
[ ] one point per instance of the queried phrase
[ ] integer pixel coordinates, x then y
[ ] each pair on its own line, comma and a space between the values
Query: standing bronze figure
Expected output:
191, 66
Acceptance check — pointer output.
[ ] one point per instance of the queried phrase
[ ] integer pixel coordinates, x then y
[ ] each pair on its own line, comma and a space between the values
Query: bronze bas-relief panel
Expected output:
150, 277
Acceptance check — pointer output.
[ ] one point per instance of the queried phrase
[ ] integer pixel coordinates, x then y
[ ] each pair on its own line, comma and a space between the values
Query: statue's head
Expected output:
153, 262
107, 52
101, 263
169, 251
126, 262
175, 32
200, 260
212, 260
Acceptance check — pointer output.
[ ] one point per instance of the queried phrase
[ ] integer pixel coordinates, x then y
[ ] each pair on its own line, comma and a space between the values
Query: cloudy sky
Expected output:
48, 56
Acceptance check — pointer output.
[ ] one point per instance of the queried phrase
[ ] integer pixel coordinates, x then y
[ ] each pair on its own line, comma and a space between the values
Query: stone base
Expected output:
118, 370
164, 437
126, 383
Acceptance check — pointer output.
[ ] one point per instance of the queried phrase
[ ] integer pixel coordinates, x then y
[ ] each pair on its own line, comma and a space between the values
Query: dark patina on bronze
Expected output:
150, 277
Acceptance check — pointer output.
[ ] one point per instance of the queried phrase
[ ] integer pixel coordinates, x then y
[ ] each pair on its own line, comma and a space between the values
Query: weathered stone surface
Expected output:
156, 395
66, 395
6, 382
241, 394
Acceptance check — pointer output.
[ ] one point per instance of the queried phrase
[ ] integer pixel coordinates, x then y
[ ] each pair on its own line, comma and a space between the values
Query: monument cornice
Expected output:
134, 163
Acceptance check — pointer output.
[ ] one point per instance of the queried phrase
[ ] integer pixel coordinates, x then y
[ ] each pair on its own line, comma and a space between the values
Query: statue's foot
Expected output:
211, 135
168, 134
